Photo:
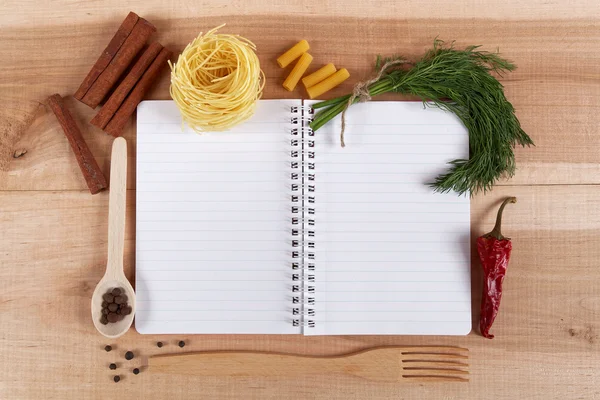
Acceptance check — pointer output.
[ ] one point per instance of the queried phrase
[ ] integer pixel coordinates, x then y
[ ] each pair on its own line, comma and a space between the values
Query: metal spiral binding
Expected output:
296, 208
303, 217
309, 219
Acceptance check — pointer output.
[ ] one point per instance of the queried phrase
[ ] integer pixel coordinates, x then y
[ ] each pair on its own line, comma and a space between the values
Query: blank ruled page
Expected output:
392, 256
213, 223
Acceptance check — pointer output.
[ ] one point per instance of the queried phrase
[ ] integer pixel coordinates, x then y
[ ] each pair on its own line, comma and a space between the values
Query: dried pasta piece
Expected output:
299, 69
328, 83
318, 76
296, 51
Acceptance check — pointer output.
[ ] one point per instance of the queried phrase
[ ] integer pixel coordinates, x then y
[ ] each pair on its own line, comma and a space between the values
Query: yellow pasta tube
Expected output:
296, 51
328, 83
318, 76
299, 69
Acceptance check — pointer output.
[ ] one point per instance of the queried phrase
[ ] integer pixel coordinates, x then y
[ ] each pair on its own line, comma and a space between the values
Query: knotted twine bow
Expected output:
361, 92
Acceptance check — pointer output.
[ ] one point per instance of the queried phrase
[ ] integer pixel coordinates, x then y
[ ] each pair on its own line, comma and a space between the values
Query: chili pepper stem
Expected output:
495, 233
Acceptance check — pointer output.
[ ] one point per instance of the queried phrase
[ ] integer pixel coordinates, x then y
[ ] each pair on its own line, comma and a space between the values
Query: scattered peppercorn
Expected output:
181, 343
112, 366
108, 348
159, 344
129, 355
136, 371
116, 378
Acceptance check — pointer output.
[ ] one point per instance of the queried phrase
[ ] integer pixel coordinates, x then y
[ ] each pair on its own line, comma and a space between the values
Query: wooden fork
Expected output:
385, 364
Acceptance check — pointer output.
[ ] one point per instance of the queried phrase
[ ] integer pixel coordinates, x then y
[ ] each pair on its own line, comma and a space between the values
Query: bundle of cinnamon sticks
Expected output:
120, 77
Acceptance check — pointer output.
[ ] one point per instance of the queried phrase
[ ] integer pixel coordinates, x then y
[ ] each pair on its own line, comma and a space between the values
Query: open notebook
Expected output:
271, 228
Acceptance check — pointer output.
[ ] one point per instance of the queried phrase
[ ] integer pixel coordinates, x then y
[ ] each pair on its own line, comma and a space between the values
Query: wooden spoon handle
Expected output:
240, 363
116, 208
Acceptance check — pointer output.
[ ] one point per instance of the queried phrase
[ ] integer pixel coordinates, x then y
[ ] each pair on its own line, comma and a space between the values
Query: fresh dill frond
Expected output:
462, 82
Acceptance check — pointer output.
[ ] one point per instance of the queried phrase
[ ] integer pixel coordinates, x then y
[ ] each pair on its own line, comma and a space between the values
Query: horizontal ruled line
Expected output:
214, 260
284, 151
289, 291
212, 191
316, 301
283, 171
218, 240
327, 211
213, 320
398, 291
285, 279
204, 301
387, 321
212, 310
211, 220
215, 290
283, 268
220, 250
209, 162
205, 191
390, 301
170, 181
398, 125
282, 230
276, 140
207, 211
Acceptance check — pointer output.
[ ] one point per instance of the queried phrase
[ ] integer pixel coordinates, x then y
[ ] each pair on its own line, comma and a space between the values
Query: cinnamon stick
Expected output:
118, 121
89, 167
107, 55
112, 105
125, 55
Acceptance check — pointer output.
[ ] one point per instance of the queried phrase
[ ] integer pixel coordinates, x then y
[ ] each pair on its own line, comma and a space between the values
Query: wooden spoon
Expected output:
114, 276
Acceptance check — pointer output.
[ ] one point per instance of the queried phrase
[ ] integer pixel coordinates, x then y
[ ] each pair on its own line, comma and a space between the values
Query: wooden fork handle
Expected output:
240, 363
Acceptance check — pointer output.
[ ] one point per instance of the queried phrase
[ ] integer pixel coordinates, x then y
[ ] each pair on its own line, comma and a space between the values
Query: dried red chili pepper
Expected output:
494, 253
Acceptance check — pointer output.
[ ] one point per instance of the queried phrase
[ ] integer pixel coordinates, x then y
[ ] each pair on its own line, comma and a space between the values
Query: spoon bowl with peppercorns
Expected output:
113, 301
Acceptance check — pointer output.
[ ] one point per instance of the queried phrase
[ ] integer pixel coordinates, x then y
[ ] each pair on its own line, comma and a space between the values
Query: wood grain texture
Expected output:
53, 232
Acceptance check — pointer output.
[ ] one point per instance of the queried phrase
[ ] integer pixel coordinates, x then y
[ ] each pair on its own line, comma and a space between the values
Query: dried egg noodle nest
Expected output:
216, 81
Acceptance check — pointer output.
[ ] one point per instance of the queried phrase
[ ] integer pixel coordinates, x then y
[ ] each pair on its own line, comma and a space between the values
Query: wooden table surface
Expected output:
53, 232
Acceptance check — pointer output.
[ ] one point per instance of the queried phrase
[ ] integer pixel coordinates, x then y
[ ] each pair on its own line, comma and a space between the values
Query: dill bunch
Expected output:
459, 81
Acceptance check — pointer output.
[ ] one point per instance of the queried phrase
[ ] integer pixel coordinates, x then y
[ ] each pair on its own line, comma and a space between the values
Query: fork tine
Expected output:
436, 378
432, 356
434, 371
435, 349
436, 364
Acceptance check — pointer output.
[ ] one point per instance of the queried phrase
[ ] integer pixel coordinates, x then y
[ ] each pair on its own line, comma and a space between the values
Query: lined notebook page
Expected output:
392, 256
213, 223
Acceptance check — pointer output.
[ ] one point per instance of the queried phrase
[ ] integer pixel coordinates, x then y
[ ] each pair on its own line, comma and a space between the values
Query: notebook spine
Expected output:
303, 272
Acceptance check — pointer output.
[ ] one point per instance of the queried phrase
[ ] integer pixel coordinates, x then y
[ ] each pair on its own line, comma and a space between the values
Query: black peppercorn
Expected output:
136, 371
112, 366
181, 343
129, 355
107, 348
159, 344
116, 378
